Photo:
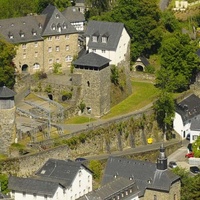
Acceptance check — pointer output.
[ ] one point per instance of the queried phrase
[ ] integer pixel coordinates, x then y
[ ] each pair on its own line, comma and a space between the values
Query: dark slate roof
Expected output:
144, 60
6, 92
91, 60
61, 171
72, 14
22, 25
55, 17
112, 188
195, 124
31, 185
99, 28
144, 173
189, 107
39, 24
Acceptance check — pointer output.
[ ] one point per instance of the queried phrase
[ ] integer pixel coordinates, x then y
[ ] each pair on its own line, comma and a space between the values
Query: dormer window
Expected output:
34, 33
64, 25
21, 33
53, 27
59, 28
94, 38
10, 35
104, 39
57, 16
40, 25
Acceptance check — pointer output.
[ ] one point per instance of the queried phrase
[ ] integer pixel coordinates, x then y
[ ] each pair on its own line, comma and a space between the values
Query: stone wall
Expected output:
7, 129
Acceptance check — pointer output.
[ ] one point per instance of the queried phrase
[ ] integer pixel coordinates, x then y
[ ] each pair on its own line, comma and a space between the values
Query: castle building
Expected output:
7, 119
41, 40
92, 73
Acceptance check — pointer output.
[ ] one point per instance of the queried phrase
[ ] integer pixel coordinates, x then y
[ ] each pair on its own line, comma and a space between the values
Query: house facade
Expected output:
55, 180
41, 40
108, 39
187, 113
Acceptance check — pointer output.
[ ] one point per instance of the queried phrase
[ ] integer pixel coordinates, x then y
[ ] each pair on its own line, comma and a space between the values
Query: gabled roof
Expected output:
31, 28
72, 14
31, 185
144, 60
189, 107
91, 60
112, 188
6, 92
54, 18
60, 171
195, 124
144, 173
112, 29
14, 28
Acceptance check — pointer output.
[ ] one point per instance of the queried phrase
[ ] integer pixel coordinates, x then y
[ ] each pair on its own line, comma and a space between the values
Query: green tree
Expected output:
7, 68
4, 183
164, 109
196, 147
114, 75
96, 167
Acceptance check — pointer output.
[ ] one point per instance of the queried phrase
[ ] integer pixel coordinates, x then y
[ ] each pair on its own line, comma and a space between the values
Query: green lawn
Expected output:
143, 94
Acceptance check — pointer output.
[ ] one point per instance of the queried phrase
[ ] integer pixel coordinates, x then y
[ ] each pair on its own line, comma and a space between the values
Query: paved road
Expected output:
131, 151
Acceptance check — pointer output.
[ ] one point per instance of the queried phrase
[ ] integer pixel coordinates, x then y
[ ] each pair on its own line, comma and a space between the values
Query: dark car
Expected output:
80, 159
172, 164
195, 170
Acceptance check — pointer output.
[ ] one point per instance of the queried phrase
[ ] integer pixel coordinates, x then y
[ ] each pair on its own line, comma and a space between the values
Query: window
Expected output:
53, 27
88, 178
94, 38
45, 197
68, 58
24, 55
154, 197
67, 47
36, 44
67, 37
80, 173
36, 54
104, 39
57, 37
57, 60
49, 38
24, 194
34, 196
50, 49
50, 60
36, 66
57, 48
103, 51
93, 50
23, 46
79, 183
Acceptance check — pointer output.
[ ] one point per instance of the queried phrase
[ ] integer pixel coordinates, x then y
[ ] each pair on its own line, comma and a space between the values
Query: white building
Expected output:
186, 115
56, 180
108, 39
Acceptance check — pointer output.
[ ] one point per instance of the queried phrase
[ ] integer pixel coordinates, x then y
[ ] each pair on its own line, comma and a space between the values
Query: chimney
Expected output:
162, 159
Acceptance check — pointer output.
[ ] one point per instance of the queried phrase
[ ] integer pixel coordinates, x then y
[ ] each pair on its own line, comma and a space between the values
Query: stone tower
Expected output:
92, 74
162, 159
7, 119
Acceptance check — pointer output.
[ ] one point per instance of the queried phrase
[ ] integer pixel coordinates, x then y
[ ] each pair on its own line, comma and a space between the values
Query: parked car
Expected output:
80, 159
172, 164
189, 155
195, 169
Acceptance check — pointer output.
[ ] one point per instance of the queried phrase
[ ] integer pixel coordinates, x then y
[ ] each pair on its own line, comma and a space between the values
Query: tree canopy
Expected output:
7, 68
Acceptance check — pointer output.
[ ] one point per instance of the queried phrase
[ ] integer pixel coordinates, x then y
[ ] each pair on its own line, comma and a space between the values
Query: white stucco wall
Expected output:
81, 185
194, 135
115, 56
59, 195
181, 128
